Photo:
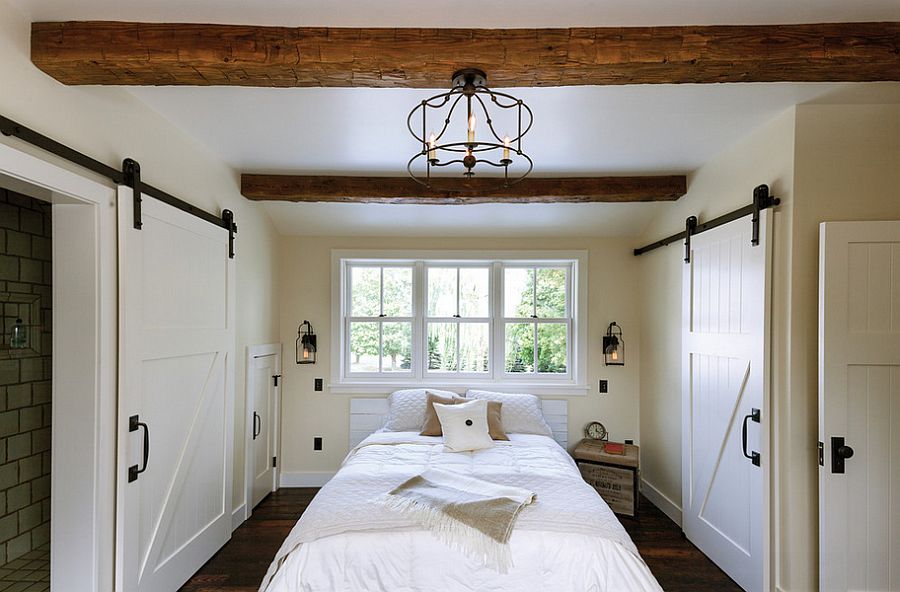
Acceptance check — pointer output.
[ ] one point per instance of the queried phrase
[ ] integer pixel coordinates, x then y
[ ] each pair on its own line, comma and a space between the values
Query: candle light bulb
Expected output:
615, 355
505, 147
305, 354
471, 135
431, 150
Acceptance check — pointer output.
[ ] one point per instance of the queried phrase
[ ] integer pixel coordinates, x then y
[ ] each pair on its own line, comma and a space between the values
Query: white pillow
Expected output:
407, 409
465, 426
520, 414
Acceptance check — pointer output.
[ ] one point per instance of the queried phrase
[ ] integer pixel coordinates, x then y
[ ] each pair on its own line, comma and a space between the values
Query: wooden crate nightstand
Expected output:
614, 476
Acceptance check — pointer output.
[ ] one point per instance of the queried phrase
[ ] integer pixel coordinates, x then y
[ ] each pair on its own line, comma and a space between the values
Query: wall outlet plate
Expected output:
318, 384
604, 386
317, 443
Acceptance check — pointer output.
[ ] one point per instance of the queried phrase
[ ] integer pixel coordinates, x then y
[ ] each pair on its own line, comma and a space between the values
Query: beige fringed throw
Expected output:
473, 516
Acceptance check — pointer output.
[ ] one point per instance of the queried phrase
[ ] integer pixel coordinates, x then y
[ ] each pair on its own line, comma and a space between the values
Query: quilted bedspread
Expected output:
568, 539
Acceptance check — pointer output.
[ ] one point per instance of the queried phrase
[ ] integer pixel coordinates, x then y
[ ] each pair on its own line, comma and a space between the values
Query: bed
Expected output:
568, 540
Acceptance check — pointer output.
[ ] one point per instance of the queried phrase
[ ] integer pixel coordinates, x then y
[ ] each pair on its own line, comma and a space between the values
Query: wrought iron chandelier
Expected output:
444, 149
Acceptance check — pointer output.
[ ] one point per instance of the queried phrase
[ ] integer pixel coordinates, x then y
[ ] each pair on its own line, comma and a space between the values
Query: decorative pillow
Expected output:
432, 425
521, 413
407, 409
465, 426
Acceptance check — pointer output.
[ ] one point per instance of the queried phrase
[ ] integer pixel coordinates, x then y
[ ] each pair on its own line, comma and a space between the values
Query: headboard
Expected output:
367, 415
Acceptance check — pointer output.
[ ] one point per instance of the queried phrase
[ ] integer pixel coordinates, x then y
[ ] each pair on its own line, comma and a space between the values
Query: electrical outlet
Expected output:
318, 384
317, 443
604, 386
629, 441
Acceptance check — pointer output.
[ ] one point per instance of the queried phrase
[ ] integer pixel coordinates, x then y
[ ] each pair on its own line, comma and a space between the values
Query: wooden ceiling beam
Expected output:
403, 190
120, 53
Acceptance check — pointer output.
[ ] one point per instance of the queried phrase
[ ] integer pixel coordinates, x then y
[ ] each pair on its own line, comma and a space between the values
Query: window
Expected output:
439, 319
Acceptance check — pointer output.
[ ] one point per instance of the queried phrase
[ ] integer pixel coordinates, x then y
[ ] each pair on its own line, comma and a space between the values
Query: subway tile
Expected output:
9, 475
19, 395
31, 271
32, 369
40, 488
45, 510
9, 267
18, 243
45, 463
41, 391
41, 535
19, 446
18, 546
9, 216
29, 517
30, 221
2, 450
9, 423
46, 415
18, 497
2, 503
30, 418
30, 468
9, 371
9, 527
41, 248
41, 439
2, 398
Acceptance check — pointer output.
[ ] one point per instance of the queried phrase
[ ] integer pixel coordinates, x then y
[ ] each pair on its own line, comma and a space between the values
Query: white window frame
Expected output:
574, 382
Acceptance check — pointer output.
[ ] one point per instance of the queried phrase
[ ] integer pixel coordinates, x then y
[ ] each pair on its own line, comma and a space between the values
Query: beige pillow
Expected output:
432, 425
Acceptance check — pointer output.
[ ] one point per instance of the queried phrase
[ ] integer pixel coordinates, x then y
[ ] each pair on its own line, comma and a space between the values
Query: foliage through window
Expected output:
494, 320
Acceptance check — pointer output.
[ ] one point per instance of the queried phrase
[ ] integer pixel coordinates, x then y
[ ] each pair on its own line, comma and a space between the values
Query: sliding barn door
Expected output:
724, 414
859, 406
176, 287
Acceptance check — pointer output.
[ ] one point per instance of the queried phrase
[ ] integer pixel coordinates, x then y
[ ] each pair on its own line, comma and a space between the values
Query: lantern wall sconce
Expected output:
306, 344
614, 346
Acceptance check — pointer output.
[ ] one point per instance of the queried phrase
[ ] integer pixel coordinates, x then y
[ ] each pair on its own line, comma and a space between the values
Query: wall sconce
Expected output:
306, 344
614, 346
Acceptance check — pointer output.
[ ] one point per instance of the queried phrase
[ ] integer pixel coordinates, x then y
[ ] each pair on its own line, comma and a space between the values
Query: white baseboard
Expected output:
661, 501
238, 516
305, 478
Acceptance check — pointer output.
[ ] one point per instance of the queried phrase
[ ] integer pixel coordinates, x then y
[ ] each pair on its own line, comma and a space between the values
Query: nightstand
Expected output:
614, 476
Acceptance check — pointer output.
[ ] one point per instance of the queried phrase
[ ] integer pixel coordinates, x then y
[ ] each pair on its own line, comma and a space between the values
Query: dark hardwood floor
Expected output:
240, 565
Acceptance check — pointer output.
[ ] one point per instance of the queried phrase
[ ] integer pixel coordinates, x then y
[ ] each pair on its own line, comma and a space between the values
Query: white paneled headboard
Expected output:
367, 415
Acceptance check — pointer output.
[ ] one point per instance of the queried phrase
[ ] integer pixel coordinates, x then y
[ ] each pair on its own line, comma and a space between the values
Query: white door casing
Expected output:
263, 417
176, 375
859, 400
724, 341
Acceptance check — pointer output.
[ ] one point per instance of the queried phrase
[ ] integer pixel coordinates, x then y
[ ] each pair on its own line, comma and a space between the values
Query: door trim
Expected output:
258, 351
83, 443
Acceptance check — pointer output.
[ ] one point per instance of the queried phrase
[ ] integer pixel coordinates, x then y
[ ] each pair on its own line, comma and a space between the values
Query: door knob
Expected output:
839, 453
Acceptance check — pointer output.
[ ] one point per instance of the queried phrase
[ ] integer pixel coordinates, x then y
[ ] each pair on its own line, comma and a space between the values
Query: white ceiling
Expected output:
654, 129
466, 13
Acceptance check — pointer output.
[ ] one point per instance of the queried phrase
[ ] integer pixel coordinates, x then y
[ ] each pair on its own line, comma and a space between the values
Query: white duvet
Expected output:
568, 540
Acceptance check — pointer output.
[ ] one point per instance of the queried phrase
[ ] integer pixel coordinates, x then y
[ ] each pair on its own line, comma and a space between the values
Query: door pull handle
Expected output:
753, 455
256, 419
134, 424
839, 453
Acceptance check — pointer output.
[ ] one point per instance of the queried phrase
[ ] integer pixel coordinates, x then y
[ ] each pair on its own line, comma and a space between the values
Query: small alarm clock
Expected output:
595, 431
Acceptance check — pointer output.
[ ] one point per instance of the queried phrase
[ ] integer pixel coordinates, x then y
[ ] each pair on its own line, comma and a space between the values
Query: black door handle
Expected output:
134, 424
255, 431
839, 453
753, 455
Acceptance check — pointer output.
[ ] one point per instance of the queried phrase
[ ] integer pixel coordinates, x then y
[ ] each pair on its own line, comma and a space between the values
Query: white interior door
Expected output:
724, 373
176, 395
265, 370
859, 406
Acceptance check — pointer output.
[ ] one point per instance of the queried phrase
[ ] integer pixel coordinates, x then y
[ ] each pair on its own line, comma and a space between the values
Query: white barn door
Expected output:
176, 287
724, 410
859, 406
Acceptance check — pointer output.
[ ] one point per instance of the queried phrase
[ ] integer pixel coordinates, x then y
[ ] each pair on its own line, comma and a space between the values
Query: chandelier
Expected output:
445, 148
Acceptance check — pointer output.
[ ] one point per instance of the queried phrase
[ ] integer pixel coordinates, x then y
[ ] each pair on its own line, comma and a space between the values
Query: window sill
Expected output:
384, 388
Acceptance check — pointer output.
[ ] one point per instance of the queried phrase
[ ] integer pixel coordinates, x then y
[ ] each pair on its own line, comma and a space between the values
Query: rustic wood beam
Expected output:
199, 55
403, 190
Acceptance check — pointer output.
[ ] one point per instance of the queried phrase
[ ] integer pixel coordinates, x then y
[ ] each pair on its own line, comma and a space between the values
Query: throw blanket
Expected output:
473, 516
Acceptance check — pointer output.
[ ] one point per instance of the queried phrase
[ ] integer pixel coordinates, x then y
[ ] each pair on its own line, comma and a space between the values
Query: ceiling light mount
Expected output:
439, 149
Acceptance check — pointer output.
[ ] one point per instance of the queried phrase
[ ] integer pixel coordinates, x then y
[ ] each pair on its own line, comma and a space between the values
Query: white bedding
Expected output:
567, 541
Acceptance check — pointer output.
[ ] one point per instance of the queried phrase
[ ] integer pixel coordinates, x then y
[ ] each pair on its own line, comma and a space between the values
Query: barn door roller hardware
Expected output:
761, 201
130, 176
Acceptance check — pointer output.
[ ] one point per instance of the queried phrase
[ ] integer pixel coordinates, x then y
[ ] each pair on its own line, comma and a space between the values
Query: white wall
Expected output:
109, 124
306, 294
